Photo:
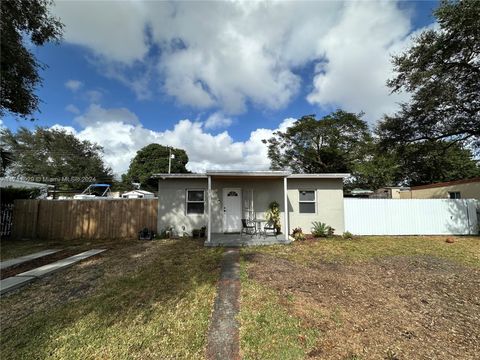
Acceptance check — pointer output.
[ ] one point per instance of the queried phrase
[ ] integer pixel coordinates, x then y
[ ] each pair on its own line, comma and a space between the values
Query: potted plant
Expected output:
273, 215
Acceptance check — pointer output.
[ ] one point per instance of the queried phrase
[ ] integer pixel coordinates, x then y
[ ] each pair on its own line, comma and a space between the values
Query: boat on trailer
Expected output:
95, 191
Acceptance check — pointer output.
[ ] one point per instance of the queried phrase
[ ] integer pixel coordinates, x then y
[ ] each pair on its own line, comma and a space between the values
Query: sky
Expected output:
216, 78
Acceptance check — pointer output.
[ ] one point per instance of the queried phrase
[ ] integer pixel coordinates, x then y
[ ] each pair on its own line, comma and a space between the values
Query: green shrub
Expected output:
347, 235
320, 229
298, 234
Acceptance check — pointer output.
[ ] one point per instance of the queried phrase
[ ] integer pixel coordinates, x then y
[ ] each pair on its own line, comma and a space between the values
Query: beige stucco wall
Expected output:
395, 193
172, 203
467, 191
329, 196
329, 203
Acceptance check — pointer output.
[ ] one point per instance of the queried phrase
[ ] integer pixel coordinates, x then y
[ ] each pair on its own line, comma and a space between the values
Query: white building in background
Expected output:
138, 194
8, 182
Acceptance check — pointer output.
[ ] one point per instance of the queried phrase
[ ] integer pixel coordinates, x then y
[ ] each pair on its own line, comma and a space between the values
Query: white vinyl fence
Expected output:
412, 216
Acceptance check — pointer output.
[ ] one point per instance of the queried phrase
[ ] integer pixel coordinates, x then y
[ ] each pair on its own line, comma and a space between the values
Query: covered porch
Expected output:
236, 195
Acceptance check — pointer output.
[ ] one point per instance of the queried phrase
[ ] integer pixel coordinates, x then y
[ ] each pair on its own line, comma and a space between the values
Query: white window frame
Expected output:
194, 202
307, 201
455, 192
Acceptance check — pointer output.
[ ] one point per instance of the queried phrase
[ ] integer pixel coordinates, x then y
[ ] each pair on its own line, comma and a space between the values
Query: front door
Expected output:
232, 210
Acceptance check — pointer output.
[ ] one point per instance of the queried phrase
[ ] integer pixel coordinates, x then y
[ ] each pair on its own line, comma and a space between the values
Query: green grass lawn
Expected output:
150, 300
268, 330
465, 250
279, 323
145, 300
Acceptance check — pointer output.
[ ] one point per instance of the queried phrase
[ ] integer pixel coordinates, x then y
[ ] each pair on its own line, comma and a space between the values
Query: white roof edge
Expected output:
247, 173
253, 174
138, 191
7, 182
180, 176
320, 176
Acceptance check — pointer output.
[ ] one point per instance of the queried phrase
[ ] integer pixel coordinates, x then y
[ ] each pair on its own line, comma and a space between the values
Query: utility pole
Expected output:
170, 157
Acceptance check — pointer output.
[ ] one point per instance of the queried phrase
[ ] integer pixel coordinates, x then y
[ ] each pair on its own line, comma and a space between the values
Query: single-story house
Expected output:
8, 182
138, 194
389, 192
219, 200
457, 189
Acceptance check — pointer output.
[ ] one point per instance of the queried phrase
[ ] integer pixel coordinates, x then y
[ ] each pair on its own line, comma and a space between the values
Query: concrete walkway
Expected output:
22, 259
223, 337
14, 282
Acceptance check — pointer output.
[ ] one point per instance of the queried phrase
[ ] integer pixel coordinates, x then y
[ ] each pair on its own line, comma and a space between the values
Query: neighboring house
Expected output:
220, 199
138, 194
6, 182
389, 192
359, 193
457, 189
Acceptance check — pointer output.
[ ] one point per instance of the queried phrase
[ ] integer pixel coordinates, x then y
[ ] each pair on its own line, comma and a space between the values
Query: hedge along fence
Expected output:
83, 219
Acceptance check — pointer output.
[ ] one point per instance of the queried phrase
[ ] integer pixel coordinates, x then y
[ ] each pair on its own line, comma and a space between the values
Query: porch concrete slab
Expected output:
12, 262
235, 240
61, 264
14, 282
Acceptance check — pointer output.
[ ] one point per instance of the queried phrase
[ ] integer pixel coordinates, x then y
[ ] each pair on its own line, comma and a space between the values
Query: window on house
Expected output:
454, 195
195, 201
307, 202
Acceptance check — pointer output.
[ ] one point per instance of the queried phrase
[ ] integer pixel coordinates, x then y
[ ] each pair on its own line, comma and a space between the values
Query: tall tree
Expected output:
19, 78
442, 71
55, 157
414, 164
435, 161
6, 158
331, 144
153, 159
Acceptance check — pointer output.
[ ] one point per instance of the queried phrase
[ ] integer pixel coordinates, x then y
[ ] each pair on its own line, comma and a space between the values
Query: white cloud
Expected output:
114, 30
73, 85
72, 109
121, 139
357, 65
94, 96
228, 55
217, 120
96, 114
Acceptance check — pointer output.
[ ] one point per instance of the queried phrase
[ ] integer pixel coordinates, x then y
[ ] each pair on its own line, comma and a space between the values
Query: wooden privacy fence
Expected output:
86, 219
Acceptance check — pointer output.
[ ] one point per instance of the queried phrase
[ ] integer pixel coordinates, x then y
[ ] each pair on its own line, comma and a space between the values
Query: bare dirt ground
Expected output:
400, 307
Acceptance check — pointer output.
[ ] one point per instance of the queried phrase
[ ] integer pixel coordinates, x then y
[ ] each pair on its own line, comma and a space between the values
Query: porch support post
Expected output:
285, 206
209, 209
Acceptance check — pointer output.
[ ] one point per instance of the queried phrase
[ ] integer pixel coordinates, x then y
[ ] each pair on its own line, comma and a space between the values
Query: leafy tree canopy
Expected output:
331, 144
20, 19
415, 164
55, 157
153, 159
442, 71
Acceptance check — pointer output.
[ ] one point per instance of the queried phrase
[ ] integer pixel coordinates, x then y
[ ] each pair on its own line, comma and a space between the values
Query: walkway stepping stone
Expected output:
12, 262
14, 282
223, 335
24, 278
61, 264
